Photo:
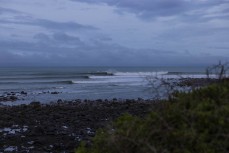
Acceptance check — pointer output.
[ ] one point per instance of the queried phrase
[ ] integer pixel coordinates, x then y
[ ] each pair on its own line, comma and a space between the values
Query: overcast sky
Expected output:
113, 32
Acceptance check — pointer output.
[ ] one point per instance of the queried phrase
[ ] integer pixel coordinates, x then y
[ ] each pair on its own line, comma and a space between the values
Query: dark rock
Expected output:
70, 144
37, 131
13, 98
5, 99
23, 106
59, 100
50, 130
55, 92
78, 100
23, 93
40, 141
99, 100
128, 100
35, 103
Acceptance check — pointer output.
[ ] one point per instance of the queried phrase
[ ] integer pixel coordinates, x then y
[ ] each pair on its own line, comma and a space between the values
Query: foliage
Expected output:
196, 122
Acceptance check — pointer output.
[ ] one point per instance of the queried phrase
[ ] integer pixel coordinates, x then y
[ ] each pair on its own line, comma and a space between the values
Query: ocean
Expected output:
67, 83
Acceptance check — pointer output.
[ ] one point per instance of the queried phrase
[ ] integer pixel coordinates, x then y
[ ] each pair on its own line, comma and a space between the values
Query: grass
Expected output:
196, 122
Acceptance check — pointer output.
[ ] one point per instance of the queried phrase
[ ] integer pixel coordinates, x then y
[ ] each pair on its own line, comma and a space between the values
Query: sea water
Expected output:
92, 83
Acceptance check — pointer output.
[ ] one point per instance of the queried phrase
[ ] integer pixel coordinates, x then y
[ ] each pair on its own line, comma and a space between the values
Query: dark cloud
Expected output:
20, 53
51, 45
104, 38
7, 10
48, 24
154, 8
58, 39
145, 7
62, 37
61, 25
63, 47
221, 48
42, 37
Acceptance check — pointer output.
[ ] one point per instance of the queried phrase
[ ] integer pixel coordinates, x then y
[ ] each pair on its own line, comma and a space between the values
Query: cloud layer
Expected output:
113, 32
155, 8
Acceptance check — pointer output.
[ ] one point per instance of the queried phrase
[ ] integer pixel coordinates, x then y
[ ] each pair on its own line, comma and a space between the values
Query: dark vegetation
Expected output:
194, 122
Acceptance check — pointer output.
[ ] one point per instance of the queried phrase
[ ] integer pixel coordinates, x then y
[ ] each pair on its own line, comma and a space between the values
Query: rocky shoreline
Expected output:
182, 82
61, 126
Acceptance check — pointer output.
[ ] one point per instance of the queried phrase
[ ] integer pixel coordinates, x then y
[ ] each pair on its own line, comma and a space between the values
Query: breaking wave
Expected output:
45, 82
185, 73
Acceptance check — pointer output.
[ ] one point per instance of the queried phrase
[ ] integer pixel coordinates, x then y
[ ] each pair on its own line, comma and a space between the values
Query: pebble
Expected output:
57, 124
10, 149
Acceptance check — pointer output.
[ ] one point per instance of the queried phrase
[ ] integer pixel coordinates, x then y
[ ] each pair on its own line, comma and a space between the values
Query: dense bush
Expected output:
196, 122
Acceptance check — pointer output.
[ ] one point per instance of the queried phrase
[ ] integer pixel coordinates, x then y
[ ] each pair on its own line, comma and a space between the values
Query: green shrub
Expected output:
196, 122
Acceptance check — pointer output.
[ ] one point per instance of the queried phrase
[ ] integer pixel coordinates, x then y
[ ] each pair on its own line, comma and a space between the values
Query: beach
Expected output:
60, 127
36, 117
